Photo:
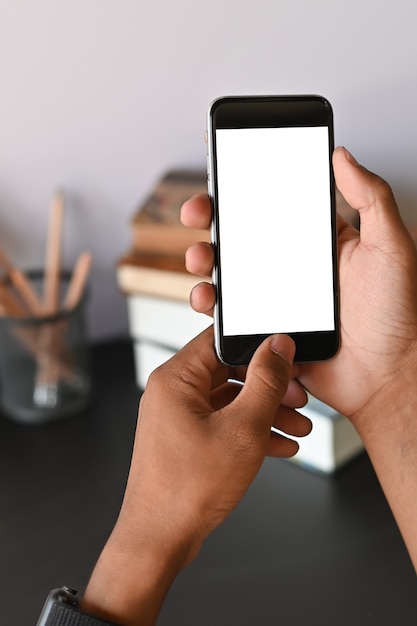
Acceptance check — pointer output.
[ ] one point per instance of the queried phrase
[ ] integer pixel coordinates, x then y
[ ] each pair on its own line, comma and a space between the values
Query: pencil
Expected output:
22, 286
53, 255
78, 281
10, 306
47, 377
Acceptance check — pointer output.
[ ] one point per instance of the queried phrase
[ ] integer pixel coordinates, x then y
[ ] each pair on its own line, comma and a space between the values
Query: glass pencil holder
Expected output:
45, 364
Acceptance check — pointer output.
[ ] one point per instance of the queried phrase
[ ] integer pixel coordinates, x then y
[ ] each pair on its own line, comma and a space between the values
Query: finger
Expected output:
280, 446
371, 196
224, 395
196, 212
295, 396
202, 298
345, 230
291, 422
341, 223
266, 383
287, 420
199, 259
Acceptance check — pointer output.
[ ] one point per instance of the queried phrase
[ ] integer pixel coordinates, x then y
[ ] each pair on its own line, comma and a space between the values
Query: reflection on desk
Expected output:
300, 549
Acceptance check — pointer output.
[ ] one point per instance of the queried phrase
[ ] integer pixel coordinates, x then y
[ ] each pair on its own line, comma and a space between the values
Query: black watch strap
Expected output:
65, 615
61, 609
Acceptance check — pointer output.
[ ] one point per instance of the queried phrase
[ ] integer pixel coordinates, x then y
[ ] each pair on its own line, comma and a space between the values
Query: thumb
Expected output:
266, 382
371, 196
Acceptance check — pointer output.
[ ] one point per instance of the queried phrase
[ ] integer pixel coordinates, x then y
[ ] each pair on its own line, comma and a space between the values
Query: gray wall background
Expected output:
100, 97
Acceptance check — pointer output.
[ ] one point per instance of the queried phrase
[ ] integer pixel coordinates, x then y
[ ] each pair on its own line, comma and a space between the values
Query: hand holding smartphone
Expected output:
274, 224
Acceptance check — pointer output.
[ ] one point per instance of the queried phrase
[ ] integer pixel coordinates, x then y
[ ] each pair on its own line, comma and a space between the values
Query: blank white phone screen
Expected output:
275, 230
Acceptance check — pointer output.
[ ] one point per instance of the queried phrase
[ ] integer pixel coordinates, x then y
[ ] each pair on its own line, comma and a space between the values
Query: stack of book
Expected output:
157, 286
153, 276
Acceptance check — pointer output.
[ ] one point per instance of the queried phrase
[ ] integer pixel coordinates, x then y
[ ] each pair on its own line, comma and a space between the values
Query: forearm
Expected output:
388, 427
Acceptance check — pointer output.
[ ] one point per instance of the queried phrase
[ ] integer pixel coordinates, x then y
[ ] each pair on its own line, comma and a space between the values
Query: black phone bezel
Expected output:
270, 112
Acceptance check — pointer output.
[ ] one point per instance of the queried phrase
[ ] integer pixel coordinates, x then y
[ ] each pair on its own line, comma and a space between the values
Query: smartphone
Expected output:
274, 233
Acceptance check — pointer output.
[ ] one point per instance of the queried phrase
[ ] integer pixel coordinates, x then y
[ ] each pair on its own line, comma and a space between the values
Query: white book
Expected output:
170, 323
148, 356
159, 328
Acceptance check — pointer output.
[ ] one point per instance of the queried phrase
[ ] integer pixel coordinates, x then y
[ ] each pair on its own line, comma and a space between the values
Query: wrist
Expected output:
387, 414
130, 580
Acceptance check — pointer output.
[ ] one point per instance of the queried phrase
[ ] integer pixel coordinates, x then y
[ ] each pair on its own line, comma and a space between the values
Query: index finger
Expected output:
196, 212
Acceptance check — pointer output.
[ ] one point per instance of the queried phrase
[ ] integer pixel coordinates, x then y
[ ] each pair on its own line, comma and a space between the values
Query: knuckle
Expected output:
155, 380
160, 378
383, 190
273, 379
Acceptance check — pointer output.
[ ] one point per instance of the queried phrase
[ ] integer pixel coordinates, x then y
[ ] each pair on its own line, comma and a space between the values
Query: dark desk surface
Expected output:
300, 549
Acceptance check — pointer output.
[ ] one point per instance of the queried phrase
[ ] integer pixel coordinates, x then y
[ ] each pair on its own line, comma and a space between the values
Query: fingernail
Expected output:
348, 155
284, 346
